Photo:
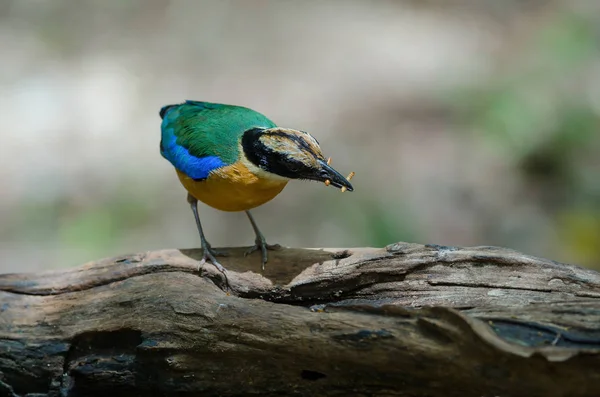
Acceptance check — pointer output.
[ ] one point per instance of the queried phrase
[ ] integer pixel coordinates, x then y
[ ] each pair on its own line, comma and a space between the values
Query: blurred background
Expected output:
467, 122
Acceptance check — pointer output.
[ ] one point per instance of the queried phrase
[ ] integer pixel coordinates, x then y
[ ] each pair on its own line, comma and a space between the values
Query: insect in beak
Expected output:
343, 185
343, 189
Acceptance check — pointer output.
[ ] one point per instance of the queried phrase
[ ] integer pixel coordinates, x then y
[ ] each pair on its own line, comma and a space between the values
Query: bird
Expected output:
234, 159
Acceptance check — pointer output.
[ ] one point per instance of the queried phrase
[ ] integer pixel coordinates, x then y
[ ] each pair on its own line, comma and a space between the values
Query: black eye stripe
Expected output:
270, 160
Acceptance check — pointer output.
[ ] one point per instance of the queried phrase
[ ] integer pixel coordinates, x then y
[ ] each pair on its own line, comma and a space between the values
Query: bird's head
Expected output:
290, 154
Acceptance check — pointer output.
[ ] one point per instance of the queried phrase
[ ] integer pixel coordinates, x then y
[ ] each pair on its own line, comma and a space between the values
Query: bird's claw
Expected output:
208, 255
263, 246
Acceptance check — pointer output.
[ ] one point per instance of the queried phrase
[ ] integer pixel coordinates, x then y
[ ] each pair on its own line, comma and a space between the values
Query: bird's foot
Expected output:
209, 255
261, 244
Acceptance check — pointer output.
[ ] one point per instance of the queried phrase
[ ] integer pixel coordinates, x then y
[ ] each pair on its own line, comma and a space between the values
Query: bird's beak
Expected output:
326, 173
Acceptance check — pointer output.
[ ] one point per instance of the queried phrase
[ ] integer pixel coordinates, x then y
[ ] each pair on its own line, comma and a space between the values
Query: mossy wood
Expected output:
407, 320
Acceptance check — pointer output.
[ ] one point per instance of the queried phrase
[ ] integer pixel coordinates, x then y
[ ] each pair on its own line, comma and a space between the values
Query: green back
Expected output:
210, 129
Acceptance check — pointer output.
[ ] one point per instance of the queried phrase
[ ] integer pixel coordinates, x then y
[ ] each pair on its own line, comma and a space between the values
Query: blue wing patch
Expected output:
196, 168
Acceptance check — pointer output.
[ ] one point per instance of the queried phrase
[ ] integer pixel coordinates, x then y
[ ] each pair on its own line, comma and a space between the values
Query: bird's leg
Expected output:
260, 242
208, 254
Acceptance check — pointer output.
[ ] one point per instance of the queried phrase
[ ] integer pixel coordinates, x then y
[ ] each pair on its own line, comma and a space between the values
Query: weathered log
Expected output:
407, 320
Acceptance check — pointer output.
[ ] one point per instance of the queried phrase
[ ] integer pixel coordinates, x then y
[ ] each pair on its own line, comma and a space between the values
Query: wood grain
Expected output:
405, 320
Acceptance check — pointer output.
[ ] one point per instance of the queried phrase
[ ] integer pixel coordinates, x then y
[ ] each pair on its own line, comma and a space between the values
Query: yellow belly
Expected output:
232, 188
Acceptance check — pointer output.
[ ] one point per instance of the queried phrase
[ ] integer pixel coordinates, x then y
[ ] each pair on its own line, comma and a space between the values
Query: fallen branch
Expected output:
407, 320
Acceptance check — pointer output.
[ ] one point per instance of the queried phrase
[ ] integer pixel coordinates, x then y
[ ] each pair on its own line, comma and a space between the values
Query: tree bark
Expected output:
406, 320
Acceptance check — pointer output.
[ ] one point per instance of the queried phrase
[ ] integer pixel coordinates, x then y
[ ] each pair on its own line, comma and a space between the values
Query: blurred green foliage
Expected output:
540, 114
376, 91
388, 224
